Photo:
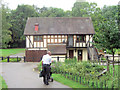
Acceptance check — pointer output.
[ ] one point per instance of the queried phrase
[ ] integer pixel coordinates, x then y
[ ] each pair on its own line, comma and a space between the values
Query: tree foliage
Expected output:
109, 28
104, 21
52, 12
18, 21
6, 33
84, 9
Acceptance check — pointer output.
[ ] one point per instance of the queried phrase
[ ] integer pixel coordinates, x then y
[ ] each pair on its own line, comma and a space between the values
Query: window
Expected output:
81, 38
38, 38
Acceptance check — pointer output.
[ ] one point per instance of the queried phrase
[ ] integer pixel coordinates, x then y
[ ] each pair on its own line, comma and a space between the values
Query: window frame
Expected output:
81, 36
38, 40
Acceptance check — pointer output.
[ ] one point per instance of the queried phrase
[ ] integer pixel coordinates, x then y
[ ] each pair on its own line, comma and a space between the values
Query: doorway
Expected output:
70, 53
79, 55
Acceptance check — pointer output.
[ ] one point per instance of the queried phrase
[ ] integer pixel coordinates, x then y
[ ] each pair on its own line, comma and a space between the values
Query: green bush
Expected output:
3, 84
11, 60
83, 68
86, 70
71, 60
40, 66
103, 58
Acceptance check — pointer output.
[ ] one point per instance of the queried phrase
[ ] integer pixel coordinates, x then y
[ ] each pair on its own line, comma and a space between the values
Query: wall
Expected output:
84, 53
54, 58
34, 55
30, 43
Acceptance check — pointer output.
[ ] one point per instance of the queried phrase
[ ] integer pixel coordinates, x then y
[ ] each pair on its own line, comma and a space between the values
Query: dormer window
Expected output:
36, 27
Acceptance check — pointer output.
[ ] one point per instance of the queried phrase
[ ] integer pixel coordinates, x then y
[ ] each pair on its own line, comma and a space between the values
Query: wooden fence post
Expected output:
107, 63
24, 58
101, 84
68, 74
93, 84
58, 59
8, 58
88, 82
105, 83
66, 57
2, 58
17, 58
76, 78
80, 79
96, 84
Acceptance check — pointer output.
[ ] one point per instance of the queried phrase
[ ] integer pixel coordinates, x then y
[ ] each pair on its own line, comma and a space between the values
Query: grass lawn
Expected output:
2, 83
65, 81
7, 52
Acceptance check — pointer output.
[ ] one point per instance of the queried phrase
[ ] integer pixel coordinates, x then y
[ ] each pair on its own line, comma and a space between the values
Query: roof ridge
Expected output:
62, 17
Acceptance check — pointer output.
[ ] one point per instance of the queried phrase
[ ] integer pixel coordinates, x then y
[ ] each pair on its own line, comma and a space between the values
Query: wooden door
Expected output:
71, 53
79, 55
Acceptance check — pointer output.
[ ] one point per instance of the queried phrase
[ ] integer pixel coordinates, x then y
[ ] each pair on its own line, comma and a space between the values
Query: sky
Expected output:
64, 4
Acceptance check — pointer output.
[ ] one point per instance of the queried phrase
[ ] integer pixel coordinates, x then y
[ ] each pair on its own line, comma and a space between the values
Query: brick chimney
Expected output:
36, 27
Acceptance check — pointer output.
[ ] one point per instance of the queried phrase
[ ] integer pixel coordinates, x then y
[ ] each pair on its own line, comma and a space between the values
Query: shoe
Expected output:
44, 83
47, 83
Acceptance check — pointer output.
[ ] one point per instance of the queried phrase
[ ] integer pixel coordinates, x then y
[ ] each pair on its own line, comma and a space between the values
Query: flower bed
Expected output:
85, 73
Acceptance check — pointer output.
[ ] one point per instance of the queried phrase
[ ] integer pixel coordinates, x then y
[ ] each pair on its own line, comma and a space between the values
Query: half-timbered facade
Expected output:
64, 37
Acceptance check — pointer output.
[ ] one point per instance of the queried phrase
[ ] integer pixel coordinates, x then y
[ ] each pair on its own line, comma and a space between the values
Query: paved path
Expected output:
21, 75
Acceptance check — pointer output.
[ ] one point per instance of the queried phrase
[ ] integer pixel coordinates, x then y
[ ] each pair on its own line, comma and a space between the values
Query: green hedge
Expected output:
11, 60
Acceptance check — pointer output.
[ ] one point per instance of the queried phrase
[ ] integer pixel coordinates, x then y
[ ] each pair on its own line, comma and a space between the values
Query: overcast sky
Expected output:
64, 4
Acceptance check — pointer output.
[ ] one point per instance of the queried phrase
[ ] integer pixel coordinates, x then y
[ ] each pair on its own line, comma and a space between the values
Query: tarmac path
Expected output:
21, 75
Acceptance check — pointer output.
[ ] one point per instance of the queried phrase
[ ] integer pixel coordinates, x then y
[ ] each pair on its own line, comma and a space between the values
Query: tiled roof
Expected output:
59, 25
57, 49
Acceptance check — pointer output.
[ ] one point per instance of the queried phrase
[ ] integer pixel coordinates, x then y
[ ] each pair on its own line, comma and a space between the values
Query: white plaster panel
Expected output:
45, 43
52, 40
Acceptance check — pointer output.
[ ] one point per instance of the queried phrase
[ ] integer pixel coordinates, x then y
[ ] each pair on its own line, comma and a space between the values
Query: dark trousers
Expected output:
46, 73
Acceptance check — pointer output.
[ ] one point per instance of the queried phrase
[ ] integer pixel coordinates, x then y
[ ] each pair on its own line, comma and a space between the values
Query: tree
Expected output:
109, 33
104, 21
40, 10
68, 13
18, 21
52, 12
83, 9
6, 33
86, 9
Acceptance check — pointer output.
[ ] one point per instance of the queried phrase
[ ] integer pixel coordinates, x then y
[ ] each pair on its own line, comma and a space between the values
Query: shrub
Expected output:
71, 60
40, 66
11, 60
83, 68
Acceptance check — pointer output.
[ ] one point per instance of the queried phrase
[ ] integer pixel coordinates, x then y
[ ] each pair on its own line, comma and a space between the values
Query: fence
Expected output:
23, 59
107, 62
12, 59
100, 62
84, 80
88, 81
74, 77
